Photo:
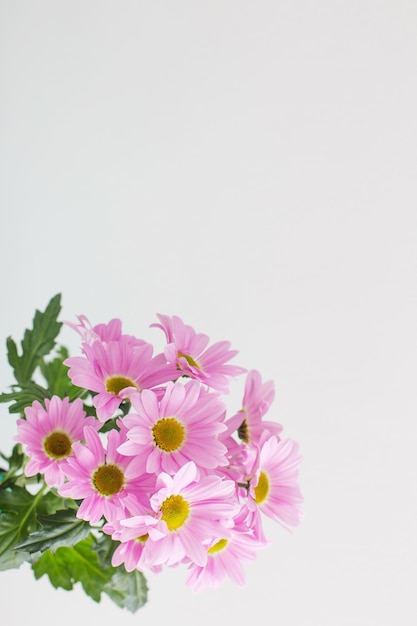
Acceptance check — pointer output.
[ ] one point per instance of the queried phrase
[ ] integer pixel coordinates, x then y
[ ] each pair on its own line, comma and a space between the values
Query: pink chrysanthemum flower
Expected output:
274, 489
225, 558
48, 434
188, 351
188, 512
242, 459
129, 553
111, 369
104, 480
257, 399
101, 332
183, 426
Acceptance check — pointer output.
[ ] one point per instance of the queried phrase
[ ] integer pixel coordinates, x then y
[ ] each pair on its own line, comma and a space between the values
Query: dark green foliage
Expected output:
80, 563
36, 343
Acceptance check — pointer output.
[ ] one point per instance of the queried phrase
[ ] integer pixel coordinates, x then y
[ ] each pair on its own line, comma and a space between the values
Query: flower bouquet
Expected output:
128, 462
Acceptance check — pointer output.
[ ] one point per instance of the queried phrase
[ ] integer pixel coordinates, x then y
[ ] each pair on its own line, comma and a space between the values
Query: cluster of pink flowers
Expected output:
175, 480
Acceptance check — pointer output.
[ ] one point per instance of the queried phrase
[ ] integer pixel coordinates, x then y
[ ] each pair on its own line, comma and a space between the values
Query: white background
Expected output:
251, 167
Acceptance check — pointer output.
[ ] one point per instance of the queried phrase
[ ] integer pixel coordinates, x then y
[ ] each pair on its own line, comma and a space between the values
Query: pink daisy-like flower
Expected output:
241, 458
111, 369
183, 426
101, 332
188, 513
257, 399
274, 488
225, 558
129, 553
49, 433
188, 351
104, 480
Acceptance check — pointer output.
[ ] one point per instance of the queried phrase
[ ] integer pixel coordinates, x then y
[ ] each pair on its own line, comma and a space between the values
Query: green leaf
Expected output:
127, 589
15, 460
19, 514
10, 532
56, 569
37, 342
76, 564
111, 424
80, 563
105, 547
18, 500
52, 502
62, 528
10, 559
24, 395
13, 357
56, 376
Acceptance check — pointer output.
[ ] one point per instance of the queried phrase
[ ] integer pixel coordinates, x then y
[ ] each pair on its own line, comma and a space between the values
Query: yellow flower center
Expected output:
262, 488
57, 445
189, 360
175, 511
142, 538
168, 434
108, 479
218, 547
115, 384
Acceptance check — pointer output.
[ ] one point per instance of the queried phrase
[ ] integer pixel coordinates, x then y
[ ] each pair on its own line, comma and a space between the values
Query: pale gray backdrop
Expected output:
249, 166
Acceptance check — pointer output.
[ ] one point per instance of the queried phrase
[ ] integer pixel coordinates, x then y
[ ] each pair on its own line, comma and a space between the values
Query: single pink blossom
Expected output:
242, 459
257, 399
188, 351
112, 331
105, 481
49, 433
111, 369
129, 553
188, 512
225, 558
273, 484
183, 426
